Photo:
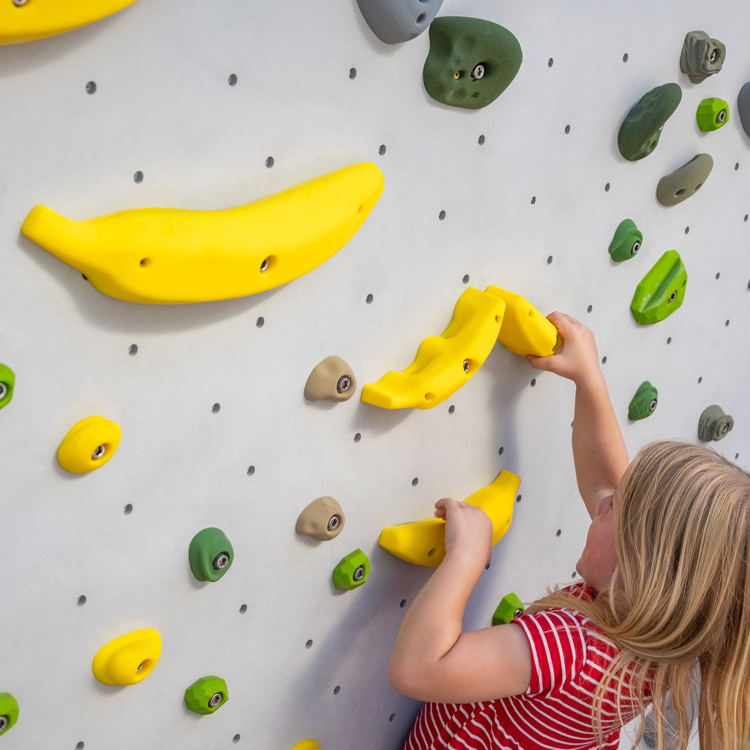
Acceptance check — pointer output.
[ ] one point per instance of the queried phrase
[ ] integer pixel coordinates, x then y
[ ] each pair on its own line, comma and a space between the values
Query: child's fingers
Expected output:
442, 506
547, 364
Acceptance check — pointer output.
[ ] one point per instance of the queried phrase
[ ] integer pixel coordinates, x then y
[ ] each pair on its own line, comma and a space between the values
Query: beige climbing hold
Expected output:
323, 519
331, 380
686, 181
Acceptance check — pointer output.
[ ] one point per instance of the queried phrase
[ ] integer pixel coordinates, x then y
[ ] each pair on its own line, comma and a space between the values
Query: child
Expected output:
664, 605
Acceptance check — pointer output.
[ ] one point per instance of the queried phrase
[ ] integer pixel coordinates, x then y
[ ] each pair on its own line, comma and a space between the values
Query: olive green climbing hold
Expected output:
206, 695
352, 571
626, 242
8, 712
686, 181
641, 129
661, 291
7, 383
323, 519
644, 402
210, 554
714, 424
471, 61
701, 56
509, 608
712, 114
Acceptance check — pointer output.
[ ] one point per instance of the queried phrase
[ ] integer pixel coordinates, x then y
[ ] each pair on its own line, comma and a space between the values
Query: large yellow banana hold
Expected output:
170, 255
525, 330
423, 542
443, 363
26, 20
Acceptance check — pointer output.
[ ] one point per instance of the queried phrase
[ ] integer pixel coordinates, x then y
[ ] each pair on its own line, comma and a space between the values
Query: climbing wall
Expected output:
207, 105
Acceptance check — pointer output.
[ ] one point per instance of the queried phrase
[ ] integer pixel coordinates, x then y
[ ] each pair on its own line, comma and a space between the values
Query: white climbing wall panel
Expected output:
527, 210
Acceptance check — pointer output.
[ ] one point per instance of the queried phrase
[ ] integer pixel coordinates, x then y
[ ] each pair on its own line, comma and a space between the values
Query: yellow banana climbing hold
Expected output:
525, 330
128, 659
443, 363
169, 255
423, 542
26, 20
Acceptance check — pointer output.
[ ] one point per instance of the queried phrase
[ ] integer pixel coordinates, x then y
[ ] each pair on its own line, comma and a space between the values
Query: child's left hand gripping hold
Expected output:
468, 532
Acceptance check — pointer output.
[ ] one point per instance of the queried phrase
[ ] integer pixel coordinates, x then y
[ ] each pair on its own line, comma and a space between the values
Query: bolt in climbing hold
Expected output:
210, 554
509, 608
344, 384
7, 383
331, 380
478, 72
661, 291
359, 573
264, 265
333, 522
99, 452
352, 572
3, 391
712, 114
467, 365
627, 241
206, 695
322, 519
714, 424
8, 712
216, 698
221, 561
644, 402
19, 3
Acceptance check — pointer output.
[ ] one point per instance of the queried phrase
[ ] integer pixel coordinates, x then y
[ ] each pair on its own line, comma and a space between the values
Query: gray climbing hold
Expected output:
743, 105
701, 56
394, 21
714, 424
686, 181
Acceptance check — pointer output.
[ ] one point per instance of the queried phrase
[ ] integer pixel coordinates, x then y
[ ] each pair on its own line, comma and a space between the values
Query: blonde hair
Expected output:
679, 604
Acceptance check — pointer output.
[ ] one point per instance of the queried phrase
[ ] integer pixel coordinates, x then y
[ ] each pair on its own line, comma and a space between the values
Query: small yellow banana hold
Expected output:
525, 330
26, 20
443, 363
423, 542
171, 255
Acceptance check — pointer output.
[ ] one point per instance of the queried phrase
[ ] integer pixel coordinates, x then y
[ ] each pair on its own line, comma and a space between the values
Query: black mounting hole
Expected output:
549, 261
358, 437
550, 63
128, 509
91, 87
533, 382
352, 73
558, 532
533, 200
79, 745
745, 217
606, 188
269, 162
727, 323
232, 80
250, 470
337, 690
138, 176
487, 567
391, 717
589, 308
736, 166
260, 322
669, 340
567, 129
717, 276
736, 456
441, 215
216, 408
518, 499
466, 278
500, 452
625, 57
700, 379
81, 600
133, 350
687, 230
236, 738
574, 574
604, 360
451, 409
243, 609
368, 299
415, 481
309, 644
480, 140
381, 150
402, 603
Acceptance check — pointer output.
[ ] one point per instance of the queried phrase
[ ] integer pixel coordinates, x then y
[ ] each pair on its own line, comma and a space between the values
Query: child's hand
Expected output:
577, 358
468, 531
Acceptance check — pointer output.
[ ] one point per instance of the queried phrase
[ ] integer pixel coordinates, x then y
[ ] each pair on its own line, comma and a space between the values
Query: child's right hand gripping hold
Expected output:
468, 532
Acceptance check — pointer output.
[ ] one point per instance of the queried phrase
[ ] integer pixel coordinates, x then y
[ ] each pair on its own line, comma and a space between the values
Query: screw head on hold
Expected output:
517, 613
636, 247
221, 561
721, 116
652, 405
18, 3
673, 296
214, 700
467, 365
3, 722
3, 391
264, 265
99, 452
478, 72
724, 428
457, 74
140, 667
712, 56
344, 384
333, 522
359, 573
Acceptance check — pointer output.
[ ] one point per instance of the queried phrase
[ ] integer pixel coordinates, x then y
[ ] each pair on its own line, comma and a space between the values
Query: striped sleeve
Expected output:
558, 649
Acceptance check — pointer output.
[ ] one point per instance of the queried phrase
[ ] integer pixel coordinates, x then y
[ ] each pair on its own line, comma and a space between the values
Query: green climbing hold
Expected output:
206, 695
661, 291
510, 607
626, 242
641, 129
714, 424
8, 712
471, 61
352, 571
644, 402
712, 114
7, 383
210, 554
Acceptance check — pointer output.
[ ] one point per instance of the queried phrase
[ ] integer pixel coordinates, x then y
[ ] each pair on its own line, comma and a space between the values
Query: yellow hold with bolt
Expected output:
128, 659
423, 542
171, 255
88, 445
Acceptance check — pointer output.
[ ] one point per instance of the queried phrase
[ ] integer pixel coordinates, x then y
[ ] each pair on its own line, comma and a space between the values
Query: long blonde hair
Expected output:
681, 607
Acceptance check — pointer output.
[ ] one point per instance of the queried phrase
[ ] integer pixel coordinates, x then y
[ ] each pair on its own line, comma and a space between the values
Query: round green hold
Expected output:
210, 554
352, 572
626, 242
7, 383
471, 61
712, 114
8, 712
644, 402
509, 608
641, 129
206, 695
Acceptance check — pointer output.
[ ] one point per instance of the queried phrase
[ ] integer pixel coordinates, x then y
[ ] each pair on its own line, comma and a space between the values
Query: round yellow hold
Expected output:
307, 745
88, 445
128, 659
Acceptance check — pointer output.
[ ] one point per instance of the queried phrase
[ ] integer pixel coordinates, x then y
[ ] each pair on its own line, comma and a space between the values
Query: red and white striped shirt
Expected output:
569, 655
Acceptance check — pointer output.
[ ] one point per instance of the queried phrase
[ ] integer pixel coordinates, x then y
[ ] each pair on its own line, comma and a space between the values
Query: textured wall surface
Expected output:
533, 209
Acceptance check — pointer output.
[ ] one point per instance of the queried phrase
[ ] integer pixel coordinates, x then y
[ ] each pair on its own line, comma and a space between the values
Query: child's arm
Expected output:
598, 447
432, 659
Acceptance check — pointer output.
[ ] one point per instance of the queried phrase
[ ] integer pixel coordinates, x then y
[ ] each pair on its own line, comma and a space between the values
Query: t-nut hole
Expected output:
309, 644
466, 279
236, 739
337, 690
243, 609
382, 149
216, 408
91, 87
81, 600
415, 481
133, 350
352, 73
138, 177
269, 161
441, 215
232, 80
549, 260
128, 509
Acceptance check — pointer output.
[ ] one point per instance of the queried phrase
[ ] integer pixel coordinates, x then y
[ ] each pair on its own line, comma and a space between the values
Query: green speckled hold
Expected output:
210, 554
641, 129
712, 114
353, 571
644, 402
471, 61
7, 383
626, 242
8, 712
661, 291
510, 607
714, 424
206, 695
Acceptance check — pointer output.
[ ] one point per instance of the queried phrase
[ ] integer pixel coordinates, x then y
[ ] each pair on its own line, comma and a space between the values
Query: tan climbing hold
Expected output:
323, 519
331, 380
685, 182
